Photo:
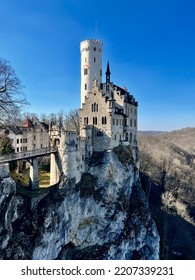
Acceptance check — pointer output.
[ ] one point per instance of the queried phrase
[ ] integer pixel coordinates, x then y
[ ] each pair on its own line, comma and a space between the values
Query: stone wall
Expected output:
4, 170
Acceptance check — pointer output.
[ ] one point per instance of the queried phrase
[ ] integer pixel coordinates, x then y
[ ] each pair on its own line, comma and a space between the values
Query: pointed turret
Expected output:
108, 73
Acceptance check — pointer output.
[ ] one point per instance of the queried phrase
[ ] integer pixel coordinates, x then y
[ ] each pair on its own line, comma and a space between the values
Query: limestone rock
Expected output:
104, 216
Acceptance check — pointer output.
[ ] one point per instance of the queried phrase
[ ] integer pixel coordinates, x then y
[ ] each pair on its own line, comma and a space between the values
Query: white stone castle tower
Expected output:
91, 65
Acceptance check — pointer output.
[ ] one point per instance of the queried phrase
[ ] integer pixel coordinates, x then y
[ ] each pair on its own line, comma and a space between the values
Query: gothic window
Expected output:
103, 120
101, 73
85, 71
116, 121
115, 137
135, 124
94, 49
131, 122
92, 109
97, 107
85, 86
126, 136
94, 59
94, 106
113, 121
85, 120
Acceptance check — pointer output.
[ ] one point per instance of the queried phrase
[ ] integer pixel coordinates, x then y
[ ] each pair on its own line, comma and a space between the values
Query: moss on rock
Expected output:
124, 154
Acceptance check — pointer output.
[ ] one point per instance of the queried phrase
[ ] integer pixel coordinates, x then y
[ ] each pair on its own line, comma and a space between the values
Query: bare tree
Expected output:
11, 95
72, 120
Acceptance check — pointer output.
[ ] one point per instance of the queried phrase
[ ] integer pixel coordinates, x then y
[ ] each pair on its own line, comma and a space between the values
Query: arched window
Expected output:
85, 86
94, 120
85, 71
94, 106
104, 120
97, 107
126, 136
92, 109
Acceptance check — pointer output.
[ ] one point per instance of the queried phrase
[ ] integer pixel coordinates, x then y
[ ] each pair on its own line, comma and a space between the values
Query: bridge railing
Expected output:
27, 154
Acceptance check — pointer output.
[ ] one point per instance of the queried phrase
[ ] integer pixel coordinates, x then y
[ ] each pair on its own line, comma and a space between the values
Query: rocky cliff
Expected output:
104, 216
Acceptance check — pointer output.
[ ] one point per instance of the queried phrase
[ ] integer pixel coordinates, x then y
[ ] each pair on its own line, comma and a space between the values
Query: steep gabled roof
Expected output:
27, 124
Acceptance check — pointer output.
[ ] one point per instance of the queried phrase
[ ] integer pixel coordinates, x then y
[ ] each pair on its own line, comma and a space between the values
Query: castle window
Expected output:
103, 120
94, 107
94, 59
85, 86
85, 59
135, 124
126, 136
85, 120
94, 120
113, 121
116, 121
101, 73
131, 137
115, 137
85, 71
131, 122
94, 49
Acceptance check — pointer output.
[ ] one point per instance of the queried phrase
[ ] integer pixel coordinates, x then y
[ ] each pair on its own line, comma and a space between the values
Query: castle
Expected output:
108, 117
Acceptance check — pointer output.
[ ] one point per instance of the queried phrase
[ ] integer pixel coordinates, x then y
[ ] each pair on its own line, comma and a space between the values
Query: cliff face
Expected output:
105, 216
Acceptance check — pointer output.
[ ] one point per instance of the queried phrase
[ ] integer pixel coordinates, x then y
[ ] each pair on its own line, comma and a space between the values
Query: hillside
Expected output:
168, 177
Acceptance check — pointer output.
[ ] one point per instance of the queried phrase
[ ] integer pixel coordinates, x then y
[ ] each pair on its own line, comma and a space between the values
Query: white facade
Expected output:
91, 65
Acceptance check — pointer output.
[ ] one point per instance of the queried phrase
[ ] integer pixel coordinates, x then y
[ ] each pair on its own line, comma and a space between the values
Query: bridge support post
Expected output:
54, 173
34, 173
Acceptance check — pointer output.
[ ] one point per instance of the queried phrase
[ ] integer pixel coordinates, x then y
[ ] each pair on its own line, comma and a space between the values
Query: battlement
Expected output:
89, 41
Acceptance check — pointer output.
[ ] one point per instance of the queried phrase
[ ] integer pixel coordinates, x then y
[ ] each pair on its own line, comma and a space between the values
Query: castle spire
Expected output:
108, 73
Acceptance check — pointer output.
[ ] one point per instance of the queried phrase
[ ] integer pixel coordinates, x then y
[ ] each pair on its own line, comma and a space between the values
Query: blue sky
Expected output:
150, 45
